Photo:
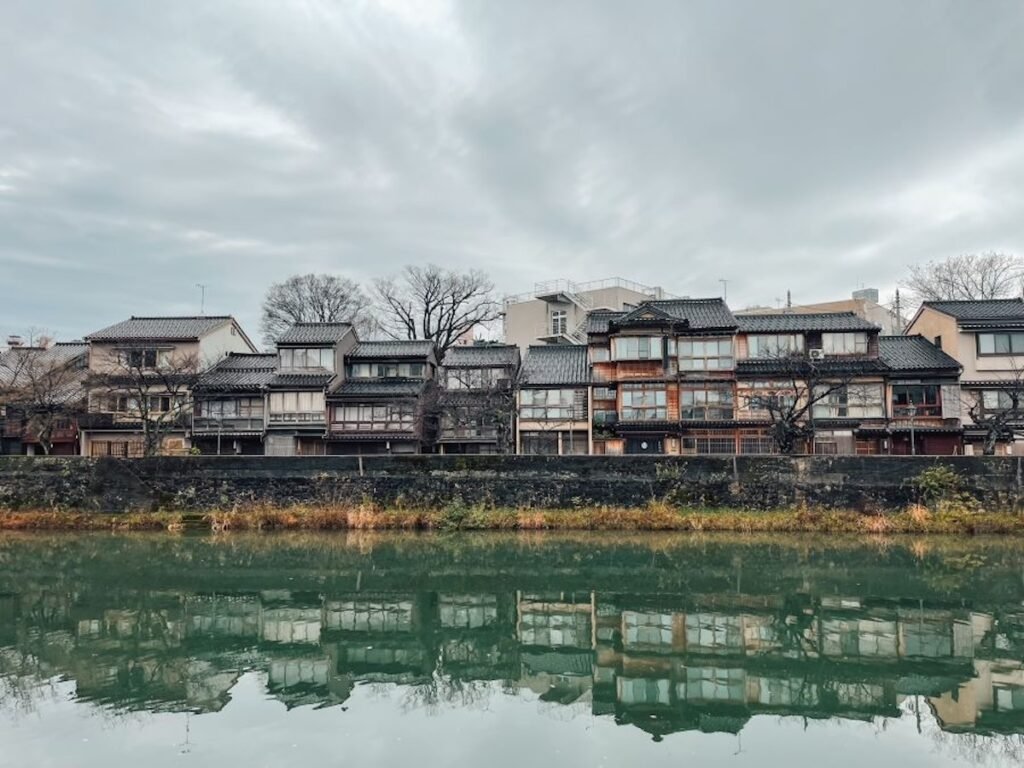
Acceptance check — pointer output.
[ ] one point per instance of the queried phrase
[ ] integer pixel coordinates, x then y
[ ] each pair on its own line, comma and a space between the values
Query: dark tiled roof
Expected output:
380, 388
914, 353
792, 322
315, 333
382, 350
482, 356
59, 357
556, 364
159, 328
836, 365
239, 372
990, 313
308, 380
700, 314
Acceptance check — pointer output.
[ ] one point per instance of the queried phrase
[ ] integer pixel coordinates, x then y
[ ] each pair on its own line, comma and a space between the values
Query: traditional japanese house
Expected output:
45, 395
987, 339
141, 372
229, 404
664, 378
310, 361
385, 402
828, 363
923, 397
553, 403
477, 402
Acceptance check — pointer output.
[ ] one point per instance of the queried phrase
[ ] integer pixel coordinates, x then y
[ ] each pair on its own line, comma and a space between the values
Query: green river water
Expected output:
391, 649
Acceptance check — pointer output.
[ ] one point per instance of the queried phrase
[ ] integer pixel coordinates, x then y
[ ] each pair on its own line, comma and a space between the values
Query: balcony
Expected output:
302, 418
469, 433
228, 424
383, 427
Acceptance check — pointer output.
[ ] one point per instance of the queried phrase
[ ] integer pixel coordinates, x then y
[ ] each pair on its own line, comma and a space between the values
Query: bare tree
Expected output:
42, 388
792, 389
966, 277
999, 412
434, 303
315, 299
148, 387
476, 403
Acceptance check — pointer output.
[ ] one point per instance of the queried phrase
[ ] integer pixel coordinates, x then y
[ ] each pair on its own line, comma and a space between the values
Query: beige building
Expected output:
987, 339
555, 311
863, 303
137, 373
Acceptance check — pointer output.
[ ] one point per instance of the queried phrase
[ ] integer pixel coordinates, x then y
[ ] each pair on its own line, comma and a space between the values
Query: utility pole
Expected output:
789, 299
725, 288
898, 319
202, 298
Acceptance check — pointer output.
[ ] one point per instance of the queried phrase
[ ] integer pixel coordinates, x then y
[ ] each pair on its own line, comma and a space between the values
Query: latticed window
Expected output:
709, 443
708, 403
705, 355
644, 402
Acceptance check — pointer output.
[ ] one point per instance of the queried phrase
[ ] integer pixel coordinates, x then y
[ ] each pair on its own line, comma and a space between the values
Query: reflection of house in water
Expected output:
556, 631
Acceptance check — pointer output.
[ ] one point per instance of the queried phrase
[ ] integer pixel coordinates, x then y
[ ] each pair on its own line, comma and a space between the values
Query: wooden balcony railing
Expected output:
211, 425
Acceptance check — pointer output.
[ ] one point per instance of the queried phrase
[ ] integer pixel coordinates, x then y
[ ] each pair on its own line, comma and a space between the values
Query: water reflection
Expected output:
663, 635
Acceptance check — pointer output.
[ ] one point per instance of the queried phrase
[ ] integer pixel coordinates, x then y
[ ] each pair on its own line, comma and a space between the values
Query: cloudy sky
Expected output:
814, 146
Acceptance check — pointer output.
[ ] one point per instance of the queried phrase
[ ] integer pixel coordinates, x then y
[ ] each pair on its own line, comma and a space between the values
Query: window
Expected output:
997, 400
644, 402
854, 401
474, 378
313, 357
705, 403
380, 417
540, 443
1000, 343
765, 397
705, 354
604, 393
600, 354
774, 345
563, 404
559, 322
844, 343
636, 348
143, 358
708, 443
244, 407
924, 398
605, 416
296, 406
385, 370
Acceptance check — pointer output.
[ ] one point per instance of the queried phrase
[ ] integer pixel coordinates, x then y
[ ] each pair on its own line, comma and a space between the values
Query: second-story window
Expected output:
559, 322
1000, 343
925, 398
854, 401
474, 378
774, 345
314, 357
143, 358
549, 404
844, 343
705, 403
705, 355
644, 402
636, 348
386, 370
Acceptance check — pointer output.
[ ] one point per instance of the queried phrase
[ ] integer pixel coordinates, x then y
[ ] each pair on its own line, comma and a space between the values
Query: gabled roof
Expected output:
239, 372
556, 364
161, 328
482, 356
698, 314
791, 322
914, 353
987, 313
315, 333
383, 350
380, 388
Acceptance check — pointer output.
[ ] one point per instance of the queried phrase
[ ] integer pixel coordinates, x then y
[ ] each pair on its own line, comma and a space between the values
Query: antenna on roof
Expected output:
202, 298
725, 288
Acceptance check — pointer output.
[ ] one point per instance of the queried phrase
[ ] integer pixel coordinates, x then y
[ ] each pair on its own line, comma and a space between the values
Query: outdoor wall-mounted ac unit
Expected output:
816, 354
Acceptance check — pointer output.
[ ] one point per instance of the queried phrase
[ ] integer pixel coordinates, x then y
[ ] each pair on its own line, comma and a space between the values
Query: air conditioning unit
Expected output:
816, 354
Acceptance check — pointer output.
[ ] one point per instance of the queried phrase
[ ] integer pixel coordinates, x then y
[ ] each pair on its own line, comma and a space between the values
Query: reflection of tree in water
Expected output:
974, 748
445, 691
24, 687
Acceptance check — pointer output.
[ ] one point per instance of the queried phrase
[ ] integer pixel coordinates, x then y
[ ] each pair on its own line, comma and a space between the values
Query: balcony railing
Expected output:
227, 424
372, 426
299, 417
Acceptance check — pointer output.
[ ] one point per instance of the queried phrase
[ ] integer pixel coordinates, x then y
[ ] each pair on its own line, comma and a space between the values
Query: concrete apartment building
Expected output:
555, 311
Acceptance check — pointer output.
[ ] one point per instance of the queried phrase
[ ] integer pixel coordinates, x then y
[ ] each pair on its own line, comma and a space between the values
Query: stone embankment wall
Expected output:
754, 482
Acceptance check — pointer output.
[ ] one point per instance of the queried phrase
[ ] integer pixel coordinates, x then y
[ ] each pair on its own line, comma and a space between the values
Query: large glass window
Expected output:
637, 348
844, 343
1000, 343
765, 397
474, 378
924, 397
854, 401
297, 406
387, 417
774, 345
705, 354
644, 402
550, 404
385, 370
705, 403
994, 400
314, 357
144, 358
244, 407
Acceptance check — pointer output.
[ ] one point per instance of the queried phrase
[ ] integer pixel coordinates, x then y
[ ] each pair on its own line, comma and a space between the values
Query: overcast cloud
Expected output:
813, 146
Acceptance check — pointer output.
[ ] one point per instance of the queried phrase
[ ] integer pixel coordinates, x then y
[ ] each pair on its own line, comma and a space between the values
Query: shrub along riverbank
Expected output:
946, 517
